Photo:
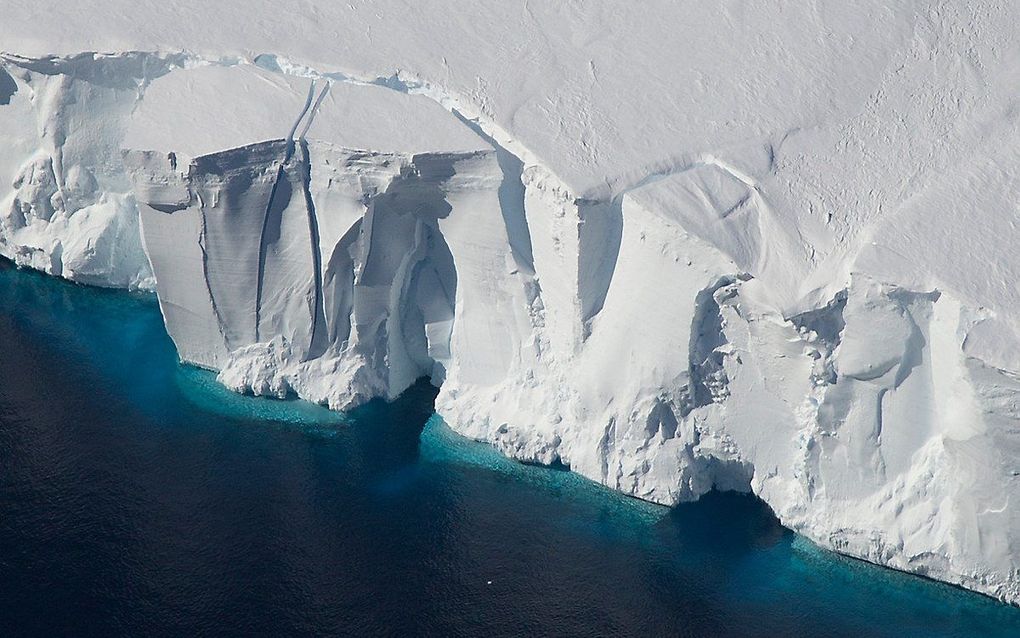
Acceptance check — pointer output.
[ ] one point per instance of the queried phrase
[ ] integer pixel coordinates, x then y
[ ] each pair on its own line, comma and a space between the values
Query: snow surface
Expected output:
759, 246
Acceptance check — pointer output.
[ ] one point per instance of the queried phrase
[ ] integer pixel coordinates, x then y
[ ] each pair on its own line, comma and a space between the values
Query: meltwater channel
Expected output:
138, 497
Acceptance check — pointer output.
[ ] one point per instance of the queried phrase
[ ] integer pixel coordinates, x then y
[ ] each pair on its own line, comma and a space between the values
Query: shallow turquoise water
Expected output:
138, 497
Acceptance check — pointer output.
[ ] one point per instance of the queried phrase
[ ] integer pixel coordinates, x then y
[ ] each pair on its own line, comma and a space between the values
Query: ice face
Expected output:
67, 206
330, 271
671, 259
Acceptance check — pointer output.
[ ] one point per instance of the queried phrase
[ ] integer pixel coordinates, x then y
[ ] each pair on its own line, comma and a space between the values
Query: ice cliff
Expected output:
676, 251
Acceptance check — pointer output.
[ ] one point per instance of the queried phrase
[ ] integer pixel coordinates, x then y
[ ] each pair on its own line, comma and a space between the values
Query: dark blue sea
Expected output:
139, 498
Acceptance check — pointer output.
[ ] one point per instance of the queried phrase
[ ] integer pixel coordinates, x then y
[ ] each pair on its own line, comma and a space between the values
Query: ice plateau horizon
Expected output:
792, 306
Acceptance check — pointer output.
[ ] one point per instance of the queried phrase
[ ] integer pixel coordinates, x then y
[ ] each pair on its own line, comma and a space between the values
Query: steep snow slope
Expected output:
759, 246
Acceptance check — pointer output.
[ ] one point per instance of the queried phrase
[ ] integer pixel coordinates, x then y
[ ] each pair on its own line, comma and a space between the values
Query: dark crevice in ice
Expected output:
297, 122
707, 377
662, 420
314, 110
8, 87
318, 340
168, 208
220, 320
273, 211
827, 323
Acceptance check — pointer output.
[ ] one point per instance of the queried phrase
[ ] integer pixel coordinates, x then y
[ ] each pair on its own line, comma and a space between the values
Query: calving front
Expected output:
338, 240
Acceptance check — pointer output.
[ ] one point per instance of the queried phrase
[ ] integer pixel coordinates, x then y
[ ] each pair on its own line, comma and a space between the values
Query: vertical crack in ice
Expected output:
220, 320
314, 109
304, 111
318, 340
277, 205
606, 444
263, 247
876, 434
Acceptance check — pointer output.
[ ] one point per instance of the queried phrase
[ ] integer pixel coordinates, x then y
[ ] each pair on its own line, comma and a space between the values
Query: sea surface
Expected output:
139, 498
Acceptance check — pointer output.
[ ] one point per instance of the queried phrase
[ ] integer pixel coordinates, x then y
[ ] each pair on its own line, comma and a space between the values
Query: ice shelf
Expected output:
699, 246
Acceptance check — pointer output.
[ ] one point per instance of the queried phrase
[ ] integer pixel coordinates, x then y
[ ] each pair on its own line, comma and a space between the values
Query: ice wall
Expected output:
66, 207
334, 238
294, 261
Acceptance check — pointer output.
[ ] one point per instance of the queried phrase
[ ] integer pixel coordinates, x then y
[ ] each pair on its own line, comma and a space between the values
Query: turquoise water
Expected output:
138, 497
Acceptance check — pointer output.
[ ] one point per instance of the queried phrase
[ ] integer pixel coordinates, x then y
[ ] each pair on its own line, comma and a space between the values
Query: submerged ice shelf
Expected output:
787, 306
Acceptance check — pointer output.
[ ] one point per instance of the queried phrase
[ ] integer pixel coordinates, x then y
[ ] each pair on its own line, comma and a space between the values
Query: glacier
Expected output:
702, 246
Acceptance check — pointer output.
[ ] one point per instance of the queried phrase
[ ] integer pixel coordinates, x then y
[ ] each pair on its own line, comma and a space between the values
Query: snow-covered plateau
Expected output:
675, 246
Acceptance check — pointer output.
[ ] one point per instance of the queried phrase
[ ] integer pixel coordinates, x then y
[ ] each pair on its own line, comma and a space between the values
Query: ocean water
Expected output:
139, 498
